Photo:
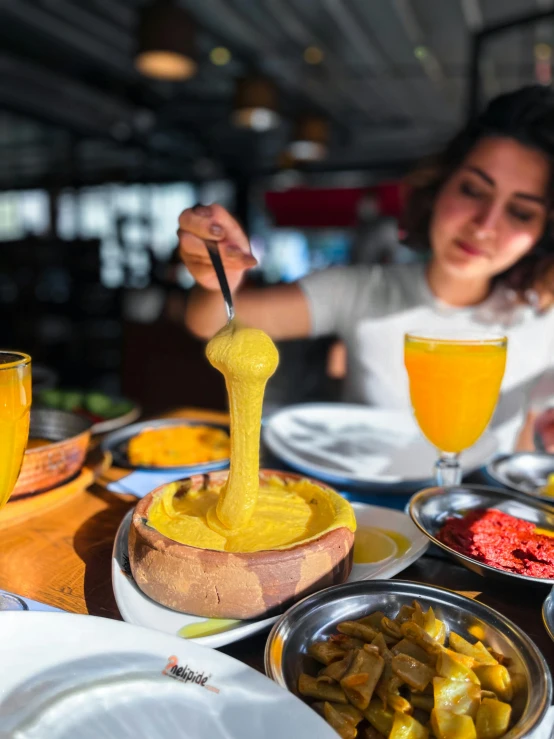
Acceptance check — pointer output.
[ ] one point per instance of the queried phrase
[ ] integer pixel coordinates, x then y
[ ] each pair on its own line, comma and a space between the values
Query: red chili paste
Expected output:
502, 541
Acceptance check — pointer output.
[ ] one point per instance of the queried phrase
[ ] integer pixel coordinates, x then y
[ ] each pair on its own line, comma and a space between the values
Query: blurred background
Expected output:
301, 116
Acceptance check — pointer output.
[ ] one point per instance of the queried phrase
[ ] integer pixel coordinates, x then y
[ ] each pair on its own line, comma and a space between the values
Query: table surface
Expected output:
62, 557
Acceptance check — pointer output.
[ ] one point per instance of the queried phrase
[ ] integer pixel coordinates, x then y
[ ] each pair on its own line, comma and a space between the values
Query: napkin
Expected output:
141, 483
33, 605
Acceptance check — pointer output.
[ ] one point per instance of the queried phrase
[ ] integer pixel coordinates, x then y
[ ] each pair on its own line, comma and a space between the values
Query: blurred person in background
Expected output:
483, 210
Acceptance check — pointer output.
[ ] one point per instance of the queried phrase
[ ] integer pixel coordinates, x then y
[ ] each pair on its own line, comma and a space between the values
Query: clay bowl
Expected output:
48, 466
215, 584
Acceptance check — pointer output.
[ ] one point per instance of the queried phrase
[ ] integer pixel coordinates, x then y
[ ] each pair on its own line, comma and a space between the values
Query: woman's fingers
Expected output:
212, 222
215, 223
193, 250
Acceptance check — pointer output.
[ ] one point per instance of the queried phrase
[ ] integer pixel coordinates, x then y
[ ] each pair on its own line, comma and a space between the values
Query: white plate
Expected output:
137, 608
355, 444
65, 676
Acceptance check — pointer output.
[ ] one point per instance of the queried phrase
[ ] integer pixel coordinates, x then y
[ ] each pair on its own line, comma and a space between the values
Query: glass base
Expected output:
448, 469
12, 603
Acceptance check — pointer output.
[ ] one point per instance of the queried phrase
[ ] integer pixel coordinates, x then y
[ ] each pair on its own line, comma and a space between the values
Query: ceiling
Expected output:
393, 83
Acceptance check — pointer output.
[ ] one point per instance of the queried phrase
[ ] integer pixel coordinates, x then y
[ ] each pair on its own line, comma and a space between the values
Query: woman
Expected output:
484, 210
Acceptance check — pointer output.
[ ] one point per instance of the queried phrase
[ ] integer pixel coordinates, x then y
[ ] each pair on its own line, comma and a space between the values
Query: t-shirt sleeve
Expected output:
339, 297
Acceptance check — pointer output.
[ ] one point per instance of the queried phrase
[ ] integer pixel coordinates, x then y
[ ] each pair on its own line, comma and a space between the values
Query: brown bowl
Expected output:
216, 584
48, 466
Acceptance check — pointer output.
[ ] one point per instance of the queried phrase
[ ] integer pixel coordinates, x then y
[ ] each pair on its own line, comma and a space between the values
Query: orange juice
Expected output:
454, 387
15, 406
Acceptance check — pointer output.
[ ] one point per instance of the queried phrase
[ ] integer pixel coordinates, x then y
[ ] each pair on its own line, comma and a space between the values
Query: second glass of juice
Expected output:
455, 382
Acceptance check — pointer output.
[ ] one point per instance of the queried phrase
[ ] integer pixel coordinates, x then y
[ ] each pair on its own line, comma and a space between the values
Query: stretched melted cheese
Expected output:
247, 358
241, 516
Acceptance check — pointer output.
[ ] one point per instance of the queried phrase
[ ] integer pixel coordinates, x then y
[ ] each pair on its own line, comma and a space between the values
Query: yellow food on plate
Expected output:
548, 489
372, 545
397, 679
175, 446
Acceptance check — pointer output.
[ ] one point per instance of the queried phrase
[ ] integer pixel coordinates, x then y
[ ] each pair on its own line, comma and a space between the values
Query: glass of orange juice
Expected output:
15, 413
454, 387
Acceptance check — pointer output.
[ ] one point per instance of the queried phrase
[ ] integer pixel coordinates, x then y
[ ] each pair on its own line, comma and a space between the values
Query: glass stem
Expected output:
10, 602
448, 469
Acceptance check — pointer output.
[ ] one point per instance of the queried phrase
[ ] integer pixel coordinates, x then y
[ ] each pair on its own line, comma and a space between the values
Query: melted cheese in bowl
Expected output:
241, 515
285, 515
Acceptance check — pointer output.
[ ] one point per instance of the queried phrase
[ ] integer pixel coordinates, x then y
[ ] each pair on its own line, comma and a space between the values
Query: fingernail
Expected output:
233, 249
202, 210
216, 230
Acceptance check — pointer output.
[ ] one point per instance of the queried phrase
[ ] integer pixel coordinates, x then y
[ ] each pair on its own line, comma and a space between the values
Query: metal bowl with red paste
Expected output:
500, 540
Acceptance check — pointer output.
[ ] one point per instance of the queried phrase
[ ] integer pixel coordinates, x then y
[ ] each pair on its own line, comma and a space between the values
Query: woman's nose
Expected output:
486, 221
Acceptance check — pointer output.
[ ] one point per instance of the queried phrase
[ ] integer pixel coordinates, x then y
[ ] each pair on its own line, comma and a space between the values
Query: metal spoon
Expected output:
215, 256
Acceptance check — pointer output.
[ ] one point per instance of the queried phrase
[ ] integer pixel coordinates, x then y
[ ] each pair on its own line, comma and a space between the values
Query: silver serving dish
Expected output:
526, 472
548, 614
430, 508
316, 617
55, 425
117, 443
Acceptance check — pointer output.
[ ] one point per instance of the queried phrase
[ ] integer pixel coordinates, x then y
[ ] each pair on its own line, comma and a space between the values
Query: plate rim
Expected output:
490, 469
546, 619
525, 499
230, 636
112, 424
395, 484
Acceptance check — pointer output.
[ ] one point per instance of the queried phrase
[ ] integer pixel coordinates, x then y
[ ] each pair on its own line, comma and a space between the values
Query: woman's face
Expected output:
492, 210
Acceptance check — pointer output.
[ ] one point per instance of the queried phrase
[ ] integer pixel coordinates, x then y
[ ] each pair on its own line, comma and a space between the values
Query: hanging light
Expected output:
166, 42
309, 143
255, 104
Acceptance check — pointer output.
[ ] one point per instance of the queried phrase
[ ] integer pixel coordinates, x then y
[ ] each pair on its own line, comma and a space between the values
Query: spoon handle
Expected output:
215, 256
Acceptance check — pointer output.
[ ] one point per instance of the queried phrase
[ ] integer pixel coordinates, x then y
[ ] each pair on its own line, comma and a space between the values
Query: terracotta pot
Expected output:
215, 584
48, 466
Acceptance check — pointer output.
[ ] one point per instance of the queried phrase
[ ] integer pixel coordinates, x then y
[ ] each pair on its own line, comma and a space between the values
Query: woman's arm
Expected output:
281, 311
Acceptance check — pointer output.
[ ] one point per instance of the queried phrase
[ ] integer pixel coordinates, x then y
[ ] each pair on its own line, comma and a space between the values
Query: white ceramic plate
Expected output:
65, 676
137, 608
355, 444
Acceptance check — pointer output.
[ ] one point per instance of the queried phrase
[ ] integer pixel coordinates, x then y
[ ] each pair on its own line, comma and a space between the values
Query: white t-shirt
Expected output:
372, 307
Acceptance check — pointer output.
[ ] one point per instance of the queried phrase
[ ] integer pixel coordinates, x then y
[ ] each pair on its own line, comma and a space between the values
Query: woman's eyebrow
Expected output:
489, 180
483, 175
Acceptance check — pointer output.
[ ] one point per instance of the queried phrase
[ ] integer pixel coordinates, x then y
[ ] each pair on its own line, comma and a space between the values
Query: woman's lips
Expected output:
470, 249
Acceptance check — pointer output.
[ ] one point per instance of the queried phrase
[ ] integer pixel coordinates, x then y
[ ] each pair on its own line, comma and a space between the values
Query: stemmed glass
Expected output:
455, 380
15, 413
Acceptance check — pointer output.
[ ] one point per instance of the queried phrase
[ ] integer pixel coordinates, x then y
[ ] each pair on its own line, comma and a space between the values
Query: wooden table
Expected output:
63, 557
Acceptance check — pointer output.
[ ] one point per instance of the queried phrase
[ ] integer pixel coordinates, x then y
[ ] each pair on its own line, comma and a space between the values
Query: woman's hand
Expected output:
213, 222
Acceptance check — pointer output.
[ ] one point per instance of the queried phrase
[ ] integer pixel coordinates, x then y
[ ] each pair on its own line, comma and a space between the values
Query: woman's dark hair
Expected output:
526, 115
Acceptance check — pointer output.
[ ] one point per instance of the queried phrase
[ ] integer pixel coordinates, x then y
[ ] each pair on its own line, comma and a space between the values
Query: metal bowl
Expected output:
316, 617
526, 472
117, 444
47, 466
430, 508
548, 614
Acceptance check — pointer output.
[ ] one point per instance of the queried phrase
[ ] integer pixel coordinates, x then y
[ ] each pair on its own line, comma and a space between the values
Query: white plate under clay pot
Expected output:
137, 608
